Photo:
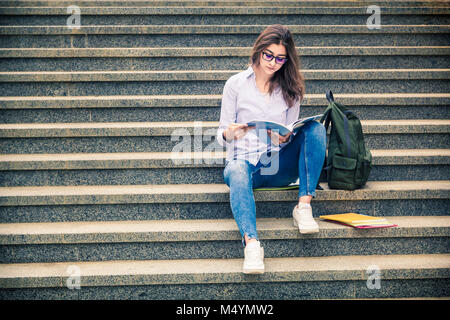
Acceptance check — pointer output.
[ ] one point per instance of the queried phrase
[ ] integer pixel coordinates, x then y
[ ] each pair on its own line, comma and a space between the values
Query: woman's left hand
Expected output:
277, 139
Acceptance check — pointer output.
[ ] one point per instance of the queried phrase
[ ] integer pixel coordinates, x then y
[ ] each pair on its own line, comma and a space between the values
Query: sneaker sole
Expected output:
308, 231
254, 271
304, 230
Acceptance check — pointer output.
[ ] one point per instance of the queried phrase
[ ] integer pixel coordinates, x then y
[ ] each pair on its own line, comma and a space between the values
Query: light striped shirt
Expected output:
242, 102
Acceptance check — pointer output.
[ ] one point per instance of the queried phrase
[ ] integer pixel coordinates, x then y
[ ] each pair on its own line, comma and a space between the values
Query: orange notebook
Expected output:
359, 221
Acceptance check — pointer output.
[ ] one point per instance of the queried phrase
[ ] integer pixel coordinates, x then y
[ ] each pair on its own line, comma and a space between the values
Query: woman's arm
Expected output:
227, 111
228, 128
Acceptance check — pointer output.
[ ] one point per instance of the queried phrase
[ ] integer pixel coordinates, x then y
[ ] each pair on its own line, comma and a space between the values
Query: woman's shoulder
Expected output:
236, 80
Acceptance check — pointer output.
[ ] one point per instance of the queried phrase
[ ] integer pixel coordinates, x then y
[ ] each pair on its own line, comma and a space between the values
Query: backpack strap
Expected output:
330, 97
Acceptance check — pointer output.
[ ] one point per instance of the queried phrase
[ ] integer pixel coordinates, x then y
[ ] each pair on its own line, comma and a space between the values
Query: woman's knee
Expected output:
236, 171
317, 132
316, 128
312, 131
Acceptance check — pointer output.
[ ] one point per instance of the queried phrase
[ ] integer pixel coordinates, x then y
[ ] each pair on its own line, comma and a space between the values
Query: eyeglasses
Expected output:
269, 57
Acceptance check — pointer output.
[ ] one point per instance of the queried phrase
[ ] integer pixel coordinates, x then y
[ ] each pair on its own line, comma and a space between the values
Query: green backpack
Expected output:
348, 162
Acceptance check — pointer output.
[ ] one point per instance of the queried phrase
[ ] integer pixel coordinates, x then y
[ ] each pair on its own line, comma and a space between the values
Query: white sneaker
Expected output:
254, 258
303, 219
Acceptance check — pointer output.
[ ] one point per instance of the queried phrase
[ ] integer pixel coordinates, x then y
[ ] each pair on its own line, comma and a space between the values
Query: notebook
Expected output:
359, 221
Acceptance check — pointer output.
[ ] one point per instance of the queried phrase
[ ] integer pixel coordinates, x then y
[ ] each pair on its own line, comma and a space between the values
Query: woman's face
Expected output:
278, 51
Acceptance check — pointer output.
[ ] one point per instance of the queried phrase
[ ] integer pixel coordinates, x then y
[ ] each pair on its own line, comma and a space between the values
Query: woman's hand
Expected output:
277, 139
236, 131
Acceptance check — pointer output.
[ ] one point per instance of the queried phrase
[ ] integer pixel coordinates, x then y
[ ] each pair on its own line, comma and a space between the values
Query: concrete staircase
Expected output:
90, 189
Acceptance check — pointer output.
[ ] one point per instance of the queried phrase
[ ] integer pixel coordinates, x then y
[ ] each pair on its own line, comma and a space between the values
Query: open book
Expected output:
359, 221
282, 129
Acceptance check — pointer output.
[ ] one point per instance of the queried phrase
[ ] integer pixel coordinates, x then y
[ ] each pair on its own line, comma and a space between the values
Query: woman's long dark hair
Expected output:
288, 77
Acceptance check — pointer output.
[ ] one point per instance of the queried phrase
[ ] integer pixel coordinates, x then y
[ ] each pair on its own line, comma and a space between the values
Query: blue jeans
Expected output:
301, 159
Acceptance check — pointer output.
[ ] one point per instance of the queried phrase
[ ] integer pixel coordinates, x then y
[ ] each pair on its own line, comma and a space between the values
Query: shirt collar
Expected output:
249, 72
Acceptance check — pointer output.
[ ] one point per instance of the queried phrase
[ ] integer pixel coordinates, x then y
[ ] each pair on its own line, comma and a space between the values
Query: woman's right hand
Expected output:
236, 131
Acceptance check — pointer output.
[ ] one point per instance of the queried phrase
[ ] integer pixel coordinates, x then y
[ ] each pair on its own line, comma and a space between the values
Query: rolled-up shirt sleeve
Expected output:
227, 111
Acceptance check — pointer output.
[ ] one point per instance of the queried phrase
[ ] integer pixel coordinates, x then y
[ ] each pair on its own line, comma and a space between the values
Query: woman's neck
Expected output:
261, 79
260, 75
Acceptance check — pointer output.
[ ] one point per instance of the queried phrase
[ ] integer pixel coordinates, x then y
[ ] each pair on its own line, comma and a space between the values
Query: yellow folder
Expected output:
360, 221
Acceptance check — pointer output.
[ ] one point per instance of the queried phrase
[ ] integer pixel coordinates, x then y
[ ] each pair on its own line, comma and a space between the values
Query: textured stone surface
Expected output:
202, 87
335, 61
164, 137
192, 193
206, 108
200, 239
208, 230
244, 291
217, 29
216, 210
160, 168
116, 273
214, 40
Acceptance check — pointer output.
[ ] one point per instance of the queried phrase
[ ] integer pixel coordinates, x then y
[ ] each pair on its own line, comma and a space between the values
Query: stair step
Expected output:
207, 230
211, 201
65, 195
207, 277
217, 29
198, 136
275, 9
153, 101
214, 75
182, 82
167, 168
225, 58
28, 130
83, 161
167, 52
51, 109
223, 15
217, 238
222, 3
217, 35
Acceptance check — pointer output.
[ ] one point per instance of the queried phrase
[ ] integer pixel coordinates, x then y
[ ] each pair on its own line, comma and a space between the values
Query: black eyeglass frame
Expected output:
271, 56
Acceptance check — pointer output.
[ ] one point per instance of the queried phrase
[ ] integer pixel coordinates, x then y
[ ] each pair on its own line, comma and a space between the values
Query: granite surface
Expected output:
217, 63
205, 113
164, 144
216, 210
218, 75
214, 3
215, 40
242, 291
210, 193
209, 271
353, 100
342, 84
189, 175
280, 248
204, 230
342, 16
219, 29
208, 52
238, 9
